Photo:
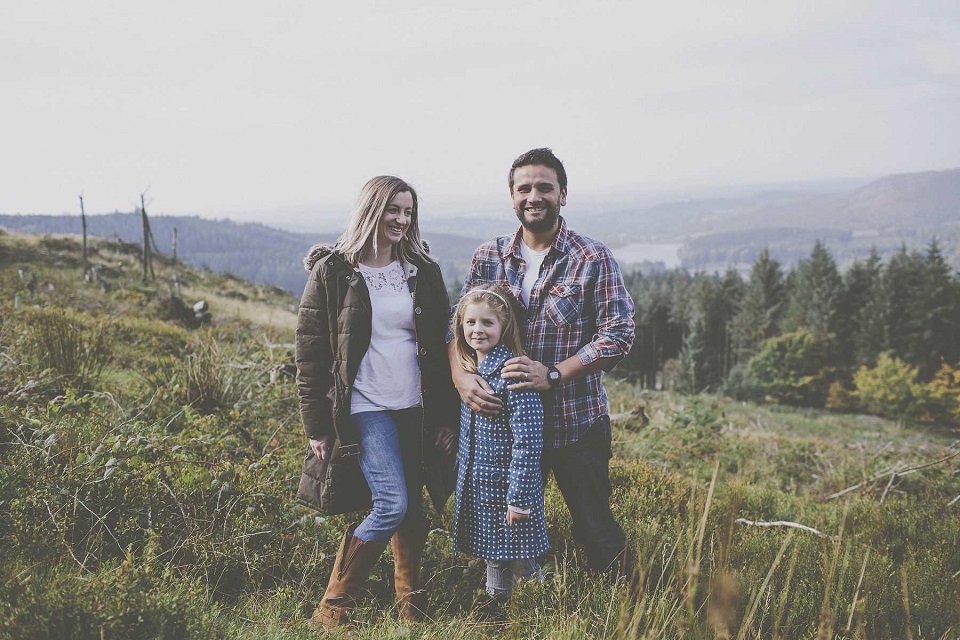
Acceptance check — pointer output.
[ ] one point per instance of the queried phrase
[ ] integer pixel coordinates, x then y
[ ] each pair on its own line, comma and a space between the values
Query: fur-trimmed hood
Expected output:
317, 251
323, 249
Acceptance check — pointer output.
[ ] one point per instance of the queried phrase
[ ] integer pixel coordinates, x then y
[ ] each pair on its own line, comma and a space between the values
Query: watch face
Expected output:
554, 375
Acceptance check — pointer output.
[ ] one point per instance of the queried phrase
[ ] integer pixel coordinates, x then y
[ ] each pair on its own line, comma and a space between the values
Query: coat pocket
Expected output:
333, 486
564, 303
492, 484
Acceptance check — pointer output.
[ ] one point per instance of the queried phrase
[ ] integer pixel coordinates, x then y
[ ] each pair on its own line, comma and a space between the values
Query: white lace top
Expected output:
389, 375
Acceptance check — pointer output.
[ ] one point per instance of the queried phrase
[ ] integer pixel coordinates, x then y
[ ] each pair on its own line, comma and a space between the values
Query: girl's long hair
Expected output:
506, 308
361, 231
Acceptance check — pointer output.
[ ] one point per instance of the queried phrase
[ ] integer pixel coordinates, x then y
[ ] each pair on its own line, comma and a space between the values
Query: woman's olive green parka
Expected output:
333, 334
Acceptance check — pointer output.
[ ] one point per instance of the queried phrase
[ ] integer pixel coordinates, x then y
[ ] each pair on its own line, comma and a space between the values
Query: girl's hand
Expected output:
321, 447
515, 518
445, 441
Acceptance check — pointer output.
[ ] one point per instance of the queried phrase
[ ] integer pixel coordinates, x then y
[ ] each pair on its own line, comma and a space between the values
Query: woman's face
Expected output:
395, 221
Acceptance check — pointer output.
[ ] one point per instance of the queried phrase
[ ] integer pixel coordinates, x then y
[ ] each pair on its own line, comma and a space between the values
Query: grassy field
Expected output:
147, 472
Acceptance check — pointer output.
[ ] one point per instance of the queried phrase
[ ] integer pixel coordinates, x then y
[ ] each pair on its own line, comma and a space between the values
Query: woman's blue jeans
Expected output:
390, 452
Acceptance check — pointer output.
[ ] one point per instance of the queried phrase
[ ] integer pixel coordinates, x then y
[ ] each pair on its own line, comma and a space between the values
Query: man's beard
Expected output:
546, 223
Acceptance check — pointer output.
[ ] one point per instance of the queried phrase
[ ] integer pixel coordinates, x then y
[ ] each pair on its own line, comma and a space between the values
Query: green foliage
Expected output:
792, 369
134, 598
888, 389
131, 337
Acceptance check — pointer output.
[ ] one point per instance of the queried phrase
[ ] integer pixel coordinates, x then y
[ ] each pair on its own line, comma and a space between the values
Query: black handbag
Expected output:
335, 485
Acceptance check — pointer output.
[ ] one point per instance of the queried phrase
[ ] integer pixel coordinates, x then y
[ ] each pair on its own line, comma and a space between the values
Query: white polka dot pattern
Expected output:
499, 464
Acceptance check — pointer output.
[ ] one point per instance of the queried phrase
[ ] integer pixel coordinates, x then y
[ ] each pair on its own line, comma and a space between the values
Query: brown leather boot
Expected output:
408, 543
354, 562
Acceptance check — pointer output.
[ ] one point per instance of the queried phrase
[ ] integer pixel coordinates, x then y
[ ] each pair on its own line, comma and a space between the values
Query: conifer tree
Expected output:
938, 300
693, 359
731, 293
902, 279
862, 311
658, 337
815, 295
759, 312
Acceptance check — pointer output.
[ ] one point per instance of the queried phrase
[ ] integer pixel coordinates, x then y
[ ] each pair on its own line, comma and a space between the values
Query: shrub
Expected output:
839, 398
889, 389
742, 385
940, 398
792, 368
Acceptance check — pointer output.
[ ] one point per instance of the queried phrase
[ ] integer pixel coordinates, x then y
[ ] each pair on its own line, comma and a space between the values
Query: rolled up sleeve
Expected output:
614, 312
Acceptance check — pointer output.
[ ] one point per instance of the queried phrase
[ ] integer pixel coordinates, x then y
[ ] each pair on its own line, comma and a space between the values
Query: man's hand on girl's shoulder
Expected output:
527, 374
477, 394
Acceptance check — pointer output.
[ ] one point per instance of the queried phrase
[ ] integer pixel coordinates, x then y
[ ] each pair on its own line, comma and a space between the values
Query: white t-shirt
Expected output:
389, 375
534, 260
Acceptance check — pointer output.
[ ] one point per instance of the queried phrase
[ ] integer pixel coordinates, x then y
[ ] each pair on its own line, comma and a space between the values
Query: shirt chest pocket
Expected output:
564, 303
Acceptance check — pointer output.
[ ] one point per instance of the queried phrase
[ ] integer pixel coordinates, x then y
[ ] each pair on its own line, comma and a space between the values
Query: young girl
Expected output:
499, 503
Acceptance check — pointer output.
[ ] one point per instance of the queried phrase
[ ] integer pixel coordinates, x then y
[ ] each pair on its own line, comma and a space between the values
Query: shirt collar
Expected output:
494, 360
559, 242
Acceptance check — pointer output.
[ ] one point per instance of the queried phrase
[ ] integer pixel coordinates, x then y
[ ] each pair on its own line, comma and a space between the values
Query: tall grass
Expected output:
209, 377
73, 346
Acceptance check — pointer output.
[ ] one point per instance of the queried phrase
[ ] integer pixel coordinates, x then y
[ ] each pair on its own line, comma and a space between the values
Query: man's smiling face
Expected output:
537, 197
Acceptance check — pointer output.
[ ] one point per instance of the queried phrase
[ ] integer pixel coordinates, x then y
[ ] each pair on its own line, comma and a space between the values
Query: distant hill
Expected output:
902, 209
254, 251
906, 201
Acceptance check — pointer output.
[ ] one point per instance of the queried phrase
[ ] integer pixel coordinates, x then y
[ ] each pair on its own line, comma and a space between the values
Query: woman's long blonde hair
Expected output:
361, 231
506, 308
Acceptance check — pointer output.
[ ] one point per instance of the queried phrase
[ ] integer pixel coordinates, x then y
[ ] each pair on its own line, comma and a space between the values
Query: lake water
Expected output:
636, 252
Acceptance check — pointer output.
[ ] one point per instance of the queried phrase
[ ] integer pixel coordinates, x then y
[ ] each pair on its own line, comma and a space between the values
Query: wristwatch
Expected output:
553, 376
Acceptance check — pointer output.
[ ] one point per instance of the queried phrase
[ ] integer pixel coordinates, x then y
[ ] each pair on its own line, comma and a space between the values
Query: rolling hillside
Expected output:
254, 251
148, 466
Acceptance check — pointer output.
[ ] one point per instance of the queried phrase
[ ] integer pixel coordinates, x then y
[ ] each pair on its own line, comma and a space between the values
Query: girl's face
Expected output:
481, 328
395, 220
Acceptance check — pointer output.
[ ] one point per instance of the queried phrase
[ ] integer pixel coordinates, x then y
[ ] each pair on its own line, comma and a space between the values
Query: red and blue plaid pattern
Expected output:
579, 305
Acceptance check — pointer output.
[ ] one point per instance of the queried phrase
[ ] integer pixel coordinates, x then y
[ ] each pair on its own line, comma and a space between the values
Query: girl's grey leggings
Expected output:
503, 574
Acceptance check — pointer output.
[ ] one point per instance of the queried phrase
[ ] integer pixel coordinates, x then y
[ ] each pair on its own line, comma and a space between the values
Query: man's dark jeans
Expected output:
582, 472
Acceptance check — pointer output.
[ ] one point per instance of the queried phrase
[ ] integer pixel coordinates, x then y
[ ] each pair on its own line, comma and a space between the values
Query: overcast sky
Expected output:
223, 109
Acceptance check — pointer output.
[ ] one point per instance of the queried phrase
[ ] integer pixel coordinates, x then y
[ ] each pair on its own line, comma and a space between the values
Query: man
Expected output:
579, 323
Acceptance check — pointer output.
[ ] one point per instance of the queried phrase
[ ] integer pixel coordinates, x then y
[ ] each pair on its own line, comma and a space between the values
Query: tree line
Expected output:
808, 336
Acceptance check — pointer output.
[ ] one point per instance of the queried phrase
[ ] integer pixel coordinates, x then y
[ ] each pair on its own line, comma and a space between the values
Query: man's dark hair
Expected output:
542, 157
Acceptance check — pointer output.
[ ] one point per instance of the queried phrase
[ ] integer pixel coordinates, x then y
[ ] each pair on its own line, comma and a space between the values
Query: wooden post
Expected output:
174, 245
147, 266
83, 219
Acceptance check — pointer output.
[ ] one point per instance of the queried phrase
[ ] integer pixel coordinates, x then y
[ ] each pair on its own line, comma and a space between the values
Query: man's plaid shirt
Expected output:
578, 305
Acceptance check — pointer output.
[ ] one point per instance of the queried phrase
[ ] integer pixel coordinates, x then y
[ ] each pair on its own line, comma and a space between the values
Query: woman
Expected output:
374, 381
